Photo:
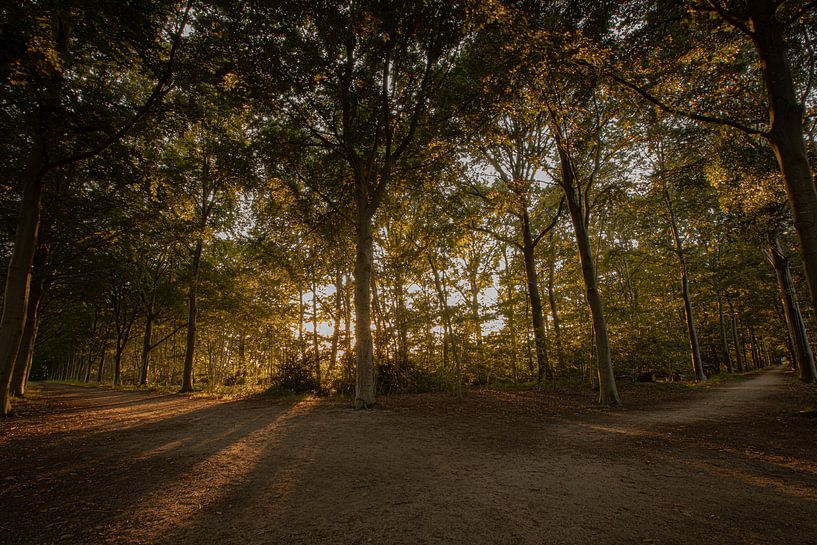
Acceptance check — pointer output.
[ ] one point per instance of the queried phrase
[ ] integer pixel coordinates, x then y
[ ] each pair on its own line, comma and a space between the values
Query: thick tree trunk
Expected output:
608, 392
537, 313
15, 295
724, 343
364, 384
798, 335
192, 315
25, 354
786, 134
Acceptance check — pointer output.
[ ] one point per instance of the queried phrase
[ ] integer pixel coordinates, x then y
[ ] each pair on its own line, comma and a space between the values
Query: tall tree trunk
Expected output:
117, 363
364, 384
798, 335
25, 354
192, 315
401, 323
735, 336
15, 295
101, 370
608, 392
333, 357
144, 368
380, 346
474, 307
724, 343
87, 371
786, 134
755, 354
347, 317
448, 330
537, 314
301, 319
697, 364
554, 312
511, 318
315, 343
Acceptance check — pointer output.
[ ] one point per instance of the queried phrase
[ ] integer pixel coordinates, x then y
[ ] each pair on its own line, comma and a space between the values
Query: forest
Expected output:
563, 253
364, 198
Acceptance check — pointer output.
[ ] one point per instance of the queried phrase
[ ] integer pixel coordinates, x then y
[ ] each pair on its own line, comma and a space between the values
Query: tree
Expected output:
46, 42
360, 78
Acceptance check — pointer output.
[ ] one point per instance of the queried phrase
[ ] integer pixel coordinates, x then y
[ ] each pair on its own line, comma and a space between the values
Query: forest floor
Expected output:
735, 462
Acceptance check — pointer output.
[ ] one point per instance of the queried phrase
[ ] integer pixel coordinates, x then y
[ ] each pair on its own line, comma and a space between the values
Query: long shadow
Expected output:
91, 479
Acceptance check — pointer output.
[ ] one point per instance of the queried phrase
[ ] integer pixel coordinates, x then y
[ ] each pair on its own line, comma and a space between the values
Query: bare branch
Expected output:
649, 97
496, 235
552, 224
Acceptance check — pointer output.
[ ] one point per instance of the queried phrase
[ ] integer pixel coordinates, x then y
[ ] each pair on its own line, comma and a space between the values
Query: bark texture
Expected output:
786, 130
798, 334
608, 392
18, 275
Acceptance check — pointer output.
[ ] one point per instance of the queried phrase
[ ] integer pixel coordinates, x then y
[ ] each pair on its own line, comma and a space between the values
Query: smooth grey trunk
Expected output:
315, 341
333, 357
192, 315
579, 214
798, 334
474, 306
786, 130
554, 312
364, 383
511, 317
697, 364
380, 344
537, 313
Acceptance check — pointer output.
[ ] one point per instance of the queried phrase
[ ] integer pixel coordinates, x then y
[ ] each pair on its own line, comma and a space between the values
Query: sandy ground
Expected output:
733, 463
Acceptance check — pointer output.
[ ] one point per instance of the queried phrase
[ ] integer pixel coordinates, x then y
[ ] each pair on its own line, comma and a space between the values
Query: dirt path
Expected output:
732, 464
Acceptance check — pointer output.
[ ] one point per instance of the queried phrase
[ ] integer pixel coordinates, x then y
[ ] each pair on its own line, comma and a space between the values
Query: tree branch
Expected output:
677, 111
552, 224
160, 90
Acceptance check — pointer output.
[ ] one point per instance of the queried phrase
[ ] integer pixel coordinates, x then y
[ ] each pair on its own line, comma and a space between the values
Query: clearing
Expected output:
729, 463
